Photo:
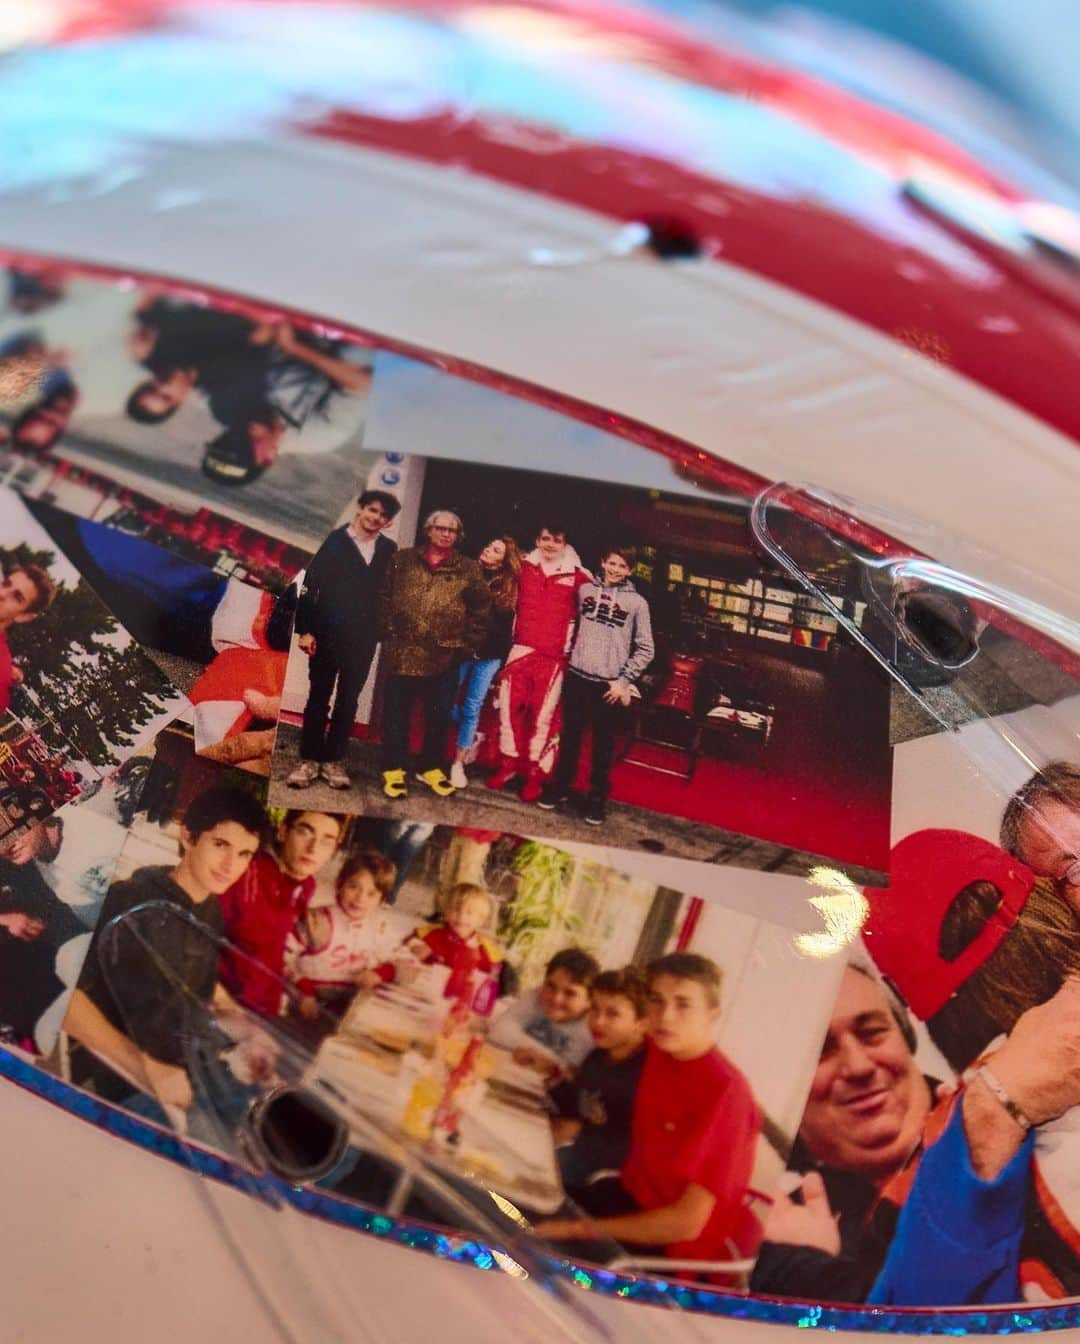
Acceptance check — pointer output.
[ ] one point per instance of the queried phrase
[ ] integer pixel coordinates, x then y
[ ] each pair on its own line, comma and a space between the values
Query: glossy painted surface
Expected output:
621, 113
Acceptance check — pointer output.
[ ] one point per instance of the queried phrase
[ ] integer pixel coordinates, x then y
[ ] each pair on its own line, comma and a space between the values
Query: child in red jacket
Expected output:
458, 942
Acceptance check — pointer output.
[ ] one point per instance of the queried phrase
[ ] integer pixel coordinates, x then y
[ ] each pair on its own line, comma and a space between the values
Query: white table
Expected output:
505, 1144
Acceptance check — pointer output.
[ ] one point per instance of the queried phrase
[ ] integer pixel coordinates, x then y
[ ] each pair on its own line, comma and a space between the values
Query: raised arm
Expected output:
957, 1240
347, 376
959, 1232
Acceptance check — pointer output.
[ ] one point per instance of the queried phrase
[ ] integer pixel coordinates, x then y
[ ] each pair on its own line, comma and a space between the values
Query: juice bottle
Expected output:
447, 1118
425, 1096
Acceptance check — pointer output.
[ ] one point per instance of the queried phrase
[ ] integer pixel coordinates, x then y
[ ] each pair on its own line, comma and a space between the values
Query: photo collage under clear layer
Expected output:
371, 729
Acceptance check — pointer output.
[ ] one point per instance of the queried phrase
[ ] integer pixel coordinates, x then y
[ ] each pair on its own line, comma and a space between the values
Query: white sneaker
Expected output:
336, 775
303, 775
458, 777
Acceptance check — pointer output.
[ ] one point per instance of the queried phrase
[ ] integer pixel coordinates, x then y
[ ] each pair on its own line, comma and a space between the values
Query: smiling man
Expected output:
863, 1121
261, 907
131, 1008
868, 1099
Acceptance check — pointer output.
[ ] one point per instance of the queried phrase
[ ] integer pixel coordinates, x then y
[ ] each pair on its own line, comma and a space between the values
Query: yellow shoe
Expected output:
437, 782
393, 783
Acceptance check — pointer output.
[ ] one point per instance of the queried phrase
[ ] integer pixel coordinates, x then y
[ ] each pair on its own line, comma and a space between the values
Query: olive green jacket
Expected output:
431, 620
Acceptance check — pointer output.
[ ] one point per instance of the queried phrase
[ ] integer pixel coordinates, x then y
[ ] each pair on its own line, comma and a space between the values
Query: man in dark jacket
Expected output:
336, 628
433, 614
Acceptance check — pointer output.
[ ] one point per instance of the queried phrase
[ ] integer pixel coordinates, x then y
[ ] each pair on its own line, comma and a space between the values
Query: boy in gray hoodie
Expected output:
613, 645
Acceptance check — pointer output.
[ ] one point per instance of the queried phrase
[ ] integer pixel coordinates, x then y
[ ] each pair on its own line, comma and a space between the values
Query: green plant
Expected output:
538, 910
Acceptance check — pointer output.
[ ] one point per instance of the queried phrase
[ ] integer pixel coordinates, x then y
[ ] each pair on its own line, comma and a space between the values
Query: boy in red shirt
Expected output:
529, 688
693, 1136
263, 906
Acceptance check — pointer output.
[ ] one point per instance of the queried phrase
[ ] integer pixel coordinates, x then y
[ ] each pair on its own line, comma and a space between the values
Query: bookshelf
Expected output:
765, 605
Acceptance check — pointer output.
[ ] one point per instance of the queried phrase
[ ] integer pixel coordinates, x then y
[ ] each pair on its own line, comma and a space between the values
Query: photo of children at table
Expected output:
598, 1098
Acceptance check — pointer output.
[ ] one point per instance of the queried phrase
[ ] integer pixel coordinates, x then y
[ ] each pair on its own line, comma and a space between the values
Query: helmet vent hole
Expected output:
297, 1135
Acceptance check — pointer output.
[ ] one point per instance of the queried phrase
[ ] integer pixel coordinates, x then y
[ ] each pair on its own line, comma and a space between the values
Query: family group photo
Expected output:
586, 1044
567, 658
224, 438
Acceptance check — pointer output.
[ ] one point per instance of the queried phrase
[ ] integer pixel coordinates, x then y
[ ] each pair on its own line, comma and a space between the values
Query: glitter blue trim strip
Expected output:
461, 1250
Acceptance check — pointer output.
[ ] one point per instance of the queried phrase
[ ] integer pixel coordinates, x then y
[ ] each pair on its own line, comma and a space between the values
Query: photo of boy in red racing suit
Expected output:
529, 689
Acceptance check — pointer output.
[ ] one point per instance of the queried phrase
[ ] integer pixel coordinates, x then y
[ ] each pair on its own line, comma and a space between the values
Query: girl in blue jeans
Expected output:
501, 562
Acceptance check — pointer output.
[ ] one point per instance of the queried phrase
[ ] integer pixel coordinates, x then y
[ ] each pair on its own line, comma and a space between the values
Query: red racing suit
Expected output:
530, 685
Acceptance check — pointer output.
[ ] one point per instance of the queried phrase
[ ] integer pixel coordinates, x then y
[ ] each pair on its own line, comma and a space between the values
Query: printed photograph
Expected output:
578, 660
937, 1160
227, 440
77, 695
53, 879
592, 1048
190, 829
222, 642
